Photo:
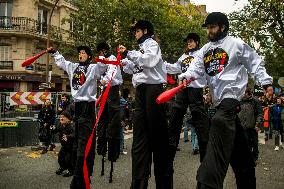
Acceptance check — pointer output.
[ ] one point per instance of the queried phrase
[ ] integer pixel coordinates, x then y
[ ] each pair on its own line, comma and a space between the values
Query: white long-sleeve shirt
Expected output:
181, 66
83, 79
117, 80
225, 64
146, 65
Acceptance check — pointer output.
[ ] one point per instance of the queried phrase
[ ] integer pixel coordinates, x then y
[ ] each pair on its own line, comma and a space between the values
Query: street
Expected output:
21, 168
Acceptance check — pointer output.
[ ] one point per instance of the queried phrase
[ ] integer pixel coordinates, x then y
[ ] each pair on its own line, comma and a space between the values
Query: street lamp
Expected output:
47, 44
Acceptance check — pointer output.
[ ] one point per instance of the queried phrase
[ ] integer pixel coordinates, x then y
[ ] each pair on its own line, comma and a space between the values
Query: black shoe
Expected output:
67, 174
195, 152
44, 151
178, 149
59, 171
52, 146
186, 141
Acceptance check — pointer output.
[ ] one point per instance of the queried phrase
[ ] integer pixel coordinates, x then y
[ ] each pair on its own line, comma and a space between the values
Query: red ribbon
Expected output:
102, 102
90, 140
113, 62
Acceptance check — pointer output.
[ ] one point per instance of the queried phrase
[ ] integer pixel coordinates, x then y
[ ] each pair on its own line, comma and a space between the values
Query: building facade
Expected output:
23, 33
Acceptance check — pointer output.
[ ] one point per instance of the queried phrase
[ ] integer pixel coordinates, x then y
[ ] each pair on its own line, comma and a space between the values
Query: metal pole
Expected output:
47, 43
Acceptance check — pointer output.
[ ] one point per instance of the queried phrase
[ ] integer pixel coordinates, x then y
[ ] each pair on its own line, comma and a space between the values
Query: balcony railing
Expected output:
6, 65
38, 67
31, 26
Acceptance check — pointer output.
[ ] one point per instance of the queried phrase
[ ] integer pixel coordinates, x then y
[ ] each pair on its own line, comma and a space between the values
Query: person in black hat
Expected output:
226, 62
109, 126
191, 96
66, 138
150, 131
83, 78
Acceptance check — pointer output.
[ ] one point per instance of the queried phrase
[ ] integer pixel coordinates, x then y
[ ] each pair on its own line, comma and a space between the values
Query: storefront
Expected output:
10, 82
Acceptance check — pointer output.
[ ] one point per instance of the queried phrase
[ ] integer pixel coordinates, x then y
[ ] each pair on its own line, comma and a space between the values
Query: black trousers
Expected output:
65, 158
279, 135
227, 145
150, 139
45, 135
109, 126
84, 121
252, 137
192, 97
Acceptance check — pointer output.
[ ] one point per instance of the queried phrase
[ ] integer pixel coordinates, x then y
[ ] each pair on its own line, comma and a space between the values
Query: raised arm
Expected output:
149, 58
60, 61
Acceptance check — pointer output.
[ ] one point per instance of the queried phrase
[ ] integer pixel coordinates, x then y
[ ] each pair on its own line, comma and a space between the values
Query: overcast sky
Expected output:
226, 6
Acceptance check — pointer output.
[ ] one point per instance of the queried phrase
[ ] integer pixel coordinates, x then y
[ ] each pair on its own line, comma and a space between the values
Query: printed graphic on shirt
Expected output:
137, 69
215, 60
79, 77
185, 63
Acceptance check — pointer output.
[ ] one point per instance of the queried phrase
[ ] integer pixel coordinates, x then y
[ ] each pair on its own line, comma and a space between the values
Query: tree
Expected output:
261, 24
112, 20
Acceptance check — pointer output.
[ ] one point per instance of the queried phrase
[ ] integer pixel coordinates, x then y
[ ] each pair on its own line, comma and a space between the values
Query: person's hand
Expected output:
257, 126
51, 50
183, 81
124, 62
103, 82
64, 138
59, 109
52, 127
45, 124
122, 48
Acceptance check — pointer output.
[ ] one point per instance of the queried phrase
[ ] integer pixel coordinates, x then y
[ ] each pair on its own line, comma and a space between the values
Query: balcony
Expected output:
6, 65
28, 26
37, 67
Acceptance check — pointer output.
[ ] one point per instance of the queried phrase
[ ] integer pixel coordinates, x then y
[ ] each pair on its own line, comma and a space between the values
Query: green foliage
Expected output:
261, 24
112, 20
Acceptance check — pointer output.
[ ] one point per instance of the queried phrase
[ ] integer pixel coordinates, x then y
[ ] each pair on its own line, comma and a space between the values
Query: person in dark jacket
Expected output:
251, 117
46, 118
66, 138
64, 104
276, 111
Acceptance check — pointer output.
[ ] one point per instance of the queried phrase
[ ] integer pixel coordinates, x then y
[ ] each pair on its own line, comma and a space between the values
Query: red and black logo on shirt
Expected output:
215, 60
79, 77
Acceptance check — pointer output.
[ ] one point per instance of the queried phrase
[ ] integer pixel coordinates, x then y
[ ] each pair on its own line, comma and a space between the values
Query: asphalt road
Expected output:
21, 168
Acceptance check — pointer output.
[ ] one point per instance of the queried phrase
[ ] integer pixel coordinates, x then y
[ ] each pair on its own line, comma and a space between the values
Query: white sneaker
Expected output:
276, 148
123, 153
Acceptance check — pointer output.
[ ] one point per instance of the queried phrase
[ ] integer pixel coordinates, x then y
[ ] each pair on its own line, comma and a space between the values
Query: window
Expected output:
71, 25
6, 13
42, 21
6, 8
6, 62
